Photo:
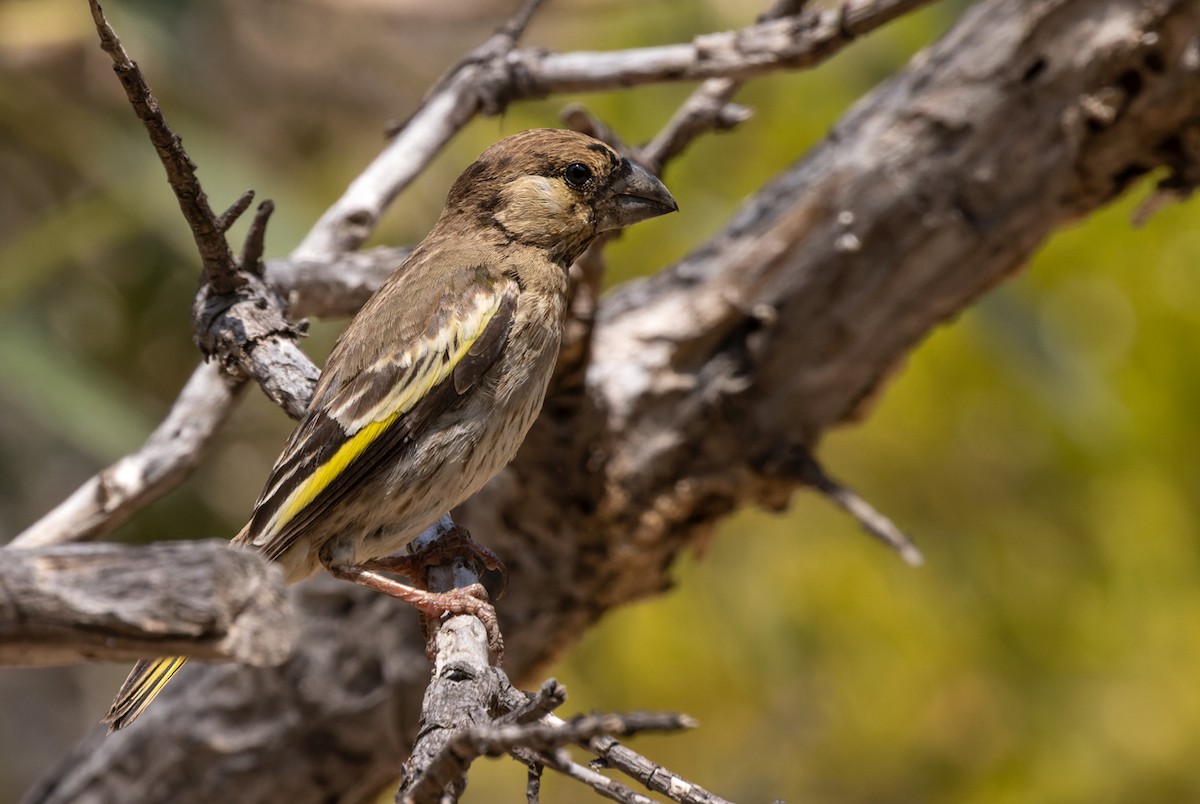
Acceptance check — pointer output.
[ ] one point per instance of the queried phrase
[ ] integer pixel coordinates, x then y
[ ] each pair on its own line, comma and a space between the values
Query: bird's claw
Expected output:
470, 600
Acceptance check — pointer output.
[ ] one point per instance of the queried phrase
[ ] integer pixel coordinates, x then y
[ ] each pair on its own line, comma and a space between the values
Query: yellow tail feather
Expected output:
144, 683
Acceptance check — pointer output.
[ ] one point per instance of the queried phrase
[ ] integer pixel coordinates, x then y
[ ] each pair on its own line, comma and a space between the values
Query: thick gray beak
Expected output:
634, 195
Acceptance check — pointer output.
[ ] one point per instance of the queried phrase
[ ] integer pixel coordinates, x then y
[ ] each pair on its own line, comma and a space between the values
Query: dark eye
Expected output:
577, 174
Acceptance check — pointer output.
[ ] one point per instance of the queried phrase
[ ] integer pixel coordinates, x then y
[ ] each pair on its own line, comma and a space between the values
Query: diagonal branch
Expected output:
789, 43
237, 318
173, 450
495, 75
207, 229
461, 93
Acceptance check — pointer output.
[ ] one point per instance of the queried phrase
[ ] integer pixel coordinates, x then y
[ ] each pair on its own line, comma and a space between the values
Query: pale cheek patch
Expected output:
540, 210
534, 195
545, 192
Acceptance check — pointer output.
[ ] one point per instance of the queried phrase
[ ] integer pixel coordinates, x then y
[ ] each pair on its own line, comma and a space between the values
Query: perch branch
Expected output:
462, 691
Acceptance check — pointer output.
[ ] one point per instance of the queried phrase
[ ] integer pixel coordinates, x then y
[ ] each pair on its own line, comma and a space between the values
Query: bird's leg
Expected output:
454, 543
471, 600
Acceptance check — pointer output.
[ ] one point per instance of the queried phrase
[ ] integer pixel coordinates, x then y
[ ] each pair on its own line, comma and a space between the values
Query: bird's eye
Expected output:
577, 174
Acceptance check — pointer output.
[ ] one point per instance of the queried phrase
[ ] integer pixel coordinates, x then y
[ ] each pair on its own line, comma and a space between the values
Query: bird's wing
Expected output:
433, 340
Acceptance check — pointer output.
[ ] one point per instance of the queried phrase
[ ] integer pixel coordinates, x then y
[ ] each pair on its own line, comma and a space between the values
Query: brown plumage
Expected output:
431, 389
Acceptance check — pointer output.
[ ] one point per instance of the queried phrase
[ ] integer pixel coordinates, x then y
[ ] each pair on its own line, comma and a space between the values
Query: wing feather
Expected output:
360, 419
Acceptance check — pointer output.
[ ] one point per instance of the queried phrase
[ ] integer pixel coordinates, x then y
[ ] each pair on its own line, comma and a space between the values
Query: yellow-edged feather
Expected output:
454, 344
325, 474
142, 687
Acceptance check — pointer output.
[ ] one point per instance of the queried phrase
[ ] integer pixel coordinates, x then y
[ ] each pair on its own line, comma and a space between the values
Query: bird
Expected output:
432, 387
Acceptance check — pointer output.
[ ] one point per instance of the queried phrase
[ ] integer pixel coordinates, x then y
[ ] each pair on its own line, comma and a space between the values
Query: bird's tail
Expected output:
145, 682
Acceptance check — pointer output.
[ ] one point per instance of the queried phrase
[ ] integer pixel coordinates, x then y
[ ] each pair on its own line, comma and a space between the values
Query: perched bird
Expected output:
431, 389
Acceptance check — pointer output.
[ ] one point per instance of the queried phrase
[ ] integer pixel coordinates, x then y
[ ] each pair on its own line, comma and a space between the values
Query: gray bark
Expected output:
76, 602
706, 382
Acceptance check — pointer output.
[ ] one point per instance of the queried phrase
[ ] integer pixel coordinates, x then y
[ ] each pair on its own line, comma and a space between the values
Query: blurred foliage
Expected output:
1042, 448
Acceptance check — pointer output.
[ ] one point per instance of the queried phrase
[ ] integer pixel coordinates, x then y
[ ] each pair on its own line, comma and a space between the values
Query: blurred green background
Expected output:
1042, 448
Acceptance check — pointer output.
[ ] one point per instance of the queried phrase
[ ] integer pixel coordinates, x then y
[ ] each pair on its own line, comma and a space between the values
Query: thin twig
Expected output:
559, 760
708, 108
655, 777
810, 471
207, 229
551, 696
252, 249
229, 217
515, 27
533, 782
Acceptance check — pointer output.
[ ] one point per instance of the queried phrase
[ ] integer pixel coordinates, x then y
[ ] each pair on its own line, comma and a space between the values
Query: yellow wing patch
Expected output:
307, 491
448, 350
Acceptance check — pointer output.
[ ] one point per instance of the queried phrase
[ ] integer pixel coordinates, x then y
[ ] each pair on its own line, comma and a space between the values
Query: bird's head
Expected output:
556, 190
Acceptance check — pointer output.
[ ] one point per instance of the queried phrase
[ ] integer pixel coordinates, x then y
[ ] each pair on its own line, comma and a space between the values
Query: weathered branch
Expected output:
457, 97
558, 759
461, 693
458, 699
653, 776
333, 287
75, 602
788, 43
172, 451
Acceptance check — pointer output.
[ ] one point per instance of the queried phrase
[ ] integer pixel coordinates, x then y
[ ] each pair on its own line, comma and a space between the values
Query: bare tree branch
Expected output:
336, 286
558, 759
453, 101
495, 74
207, 229
787, 43
75, 602
172, 451
236, 318
652, 775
